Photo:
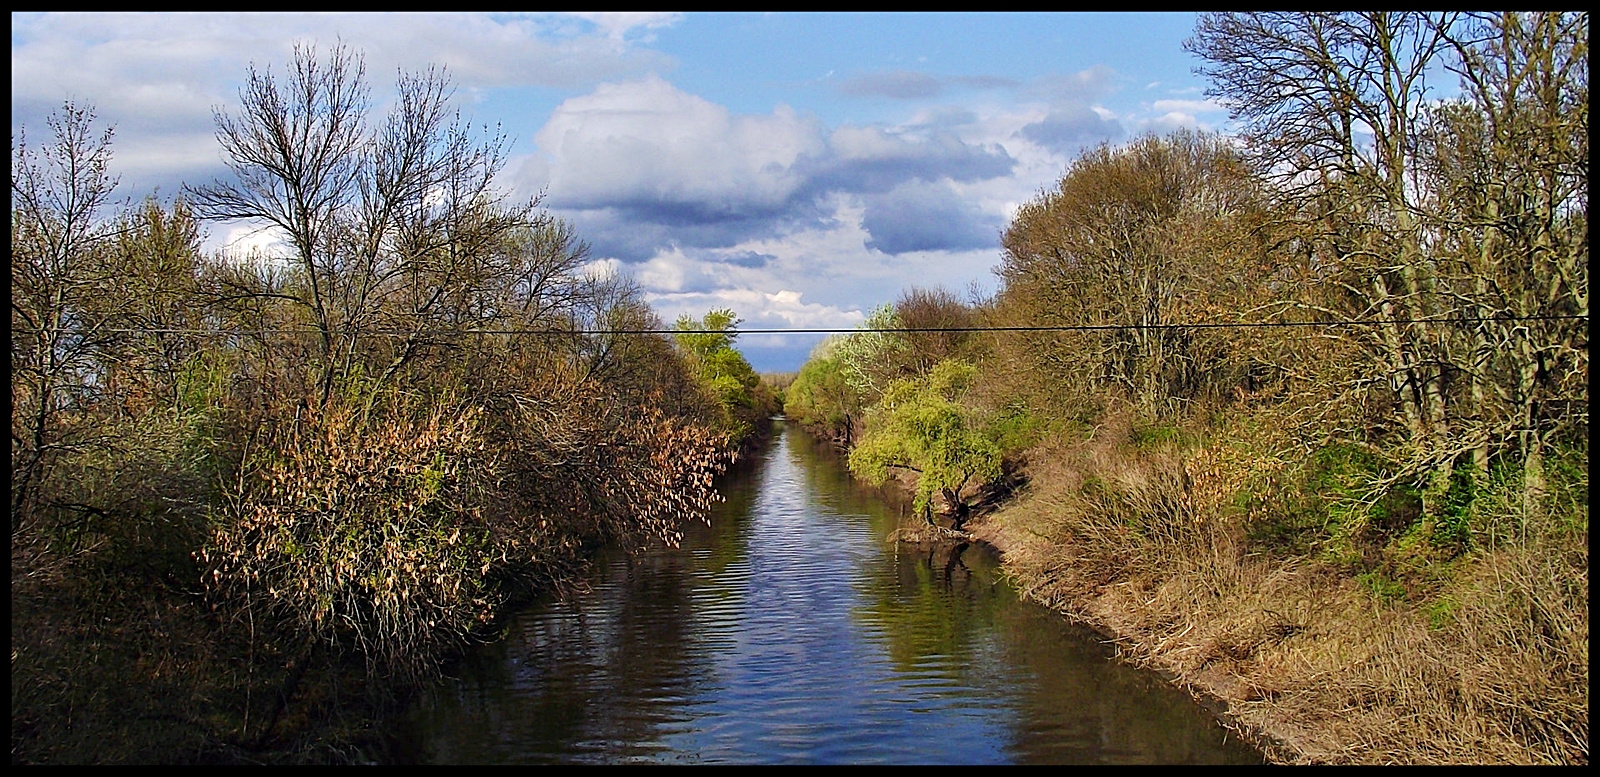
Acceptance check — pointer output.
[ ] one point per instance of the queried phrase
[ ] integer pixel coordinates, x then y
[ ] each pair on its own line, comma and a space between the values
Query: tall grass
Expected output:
1471, 656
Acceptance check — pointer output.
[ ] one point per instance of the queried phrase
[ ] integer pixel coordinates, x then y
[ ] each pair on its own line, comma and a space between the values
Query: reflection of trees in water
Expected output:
598, 668
628, 669
931, 608
829, 483
724, 535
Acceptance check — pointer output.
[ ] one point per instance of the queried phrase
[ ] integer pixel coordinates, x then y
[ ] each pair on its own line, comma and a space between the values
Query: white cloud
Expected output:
783, 309
617, 25
157, 77
1187, 106
642, 164
242, 241
646, 142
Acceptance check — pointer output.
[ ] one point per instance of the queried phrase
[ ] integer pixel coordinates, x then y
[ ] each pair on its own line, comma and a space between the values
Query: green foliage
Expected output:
1566, 495
1157, 435
1441, 612
741, 397
921, 425
1331, 506
871, 360
1016, 428
1452, 522
706, 337
1385, 590
1501, 513
822, 397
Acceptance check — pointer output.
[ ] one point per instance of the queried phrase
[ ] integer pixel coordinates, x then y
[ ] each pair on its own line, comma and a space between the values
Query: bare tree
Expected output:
395, 229
59, 264
1508, 175
1135, 242
1332, 104
1457, 228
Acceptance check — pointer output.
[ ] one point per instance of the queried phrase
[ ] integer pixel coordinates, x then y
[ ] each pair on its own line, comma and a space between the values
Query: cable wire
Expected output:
827, 330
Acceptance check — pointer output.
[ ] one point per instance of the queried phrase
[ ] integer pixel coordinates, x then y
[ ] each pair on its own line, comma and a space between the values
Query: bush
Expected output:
360, 525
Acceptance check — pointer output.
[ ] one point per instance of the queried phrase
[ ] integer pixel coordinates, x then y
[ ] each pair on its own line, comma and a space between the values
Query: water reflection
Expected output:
790, 631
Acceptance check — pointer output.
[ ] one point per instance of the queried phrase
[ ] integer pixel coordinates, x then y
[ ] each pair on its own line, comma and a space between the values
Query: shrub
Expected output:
360, 525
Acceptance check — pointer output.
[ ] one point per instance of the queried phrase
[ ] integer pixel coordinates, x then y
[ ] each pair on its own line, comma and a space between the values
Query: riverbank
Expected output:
120, 657
1306, 661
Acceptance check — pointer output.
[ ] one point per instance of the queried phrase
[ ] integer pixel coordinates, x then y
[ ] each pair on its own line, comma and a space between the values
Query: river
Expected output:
791, 631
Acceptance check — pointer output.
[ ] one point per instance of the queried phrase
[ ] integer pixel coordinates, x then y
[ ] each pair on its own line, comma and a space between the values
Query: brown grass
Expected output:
1488, 666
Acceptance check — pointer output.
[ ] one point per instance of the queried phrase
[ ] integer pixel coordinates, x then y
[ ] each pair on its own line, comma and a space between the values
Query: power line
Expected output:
826, 330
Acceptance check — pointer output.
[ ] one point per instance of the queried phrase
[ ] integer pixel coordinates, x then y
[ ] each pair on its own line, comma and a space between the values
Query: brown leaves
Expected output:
356, 526
381, 522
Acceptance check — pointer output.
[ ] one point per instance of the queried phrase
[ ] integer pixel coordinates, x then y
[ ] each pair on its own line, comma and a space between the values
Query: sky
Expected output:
798, 168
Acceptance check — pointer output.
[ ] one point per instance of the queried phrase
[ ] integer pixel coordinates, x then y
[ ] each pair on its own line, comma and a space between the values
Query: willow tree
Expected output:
922, 426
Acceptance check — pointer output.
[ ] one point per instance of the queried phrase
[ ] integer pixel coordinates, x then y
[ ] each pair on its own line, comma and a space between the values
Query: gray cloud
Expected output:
642, 165
926, 217
747, 259
914, 85
898, 84
1081, 87
946, 116
984, 82
1067, 129
872, 159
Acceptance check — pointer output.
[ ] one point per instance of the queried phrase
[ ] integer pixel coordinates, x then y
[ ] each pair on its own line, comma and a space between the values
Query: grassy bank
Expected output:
1316, 655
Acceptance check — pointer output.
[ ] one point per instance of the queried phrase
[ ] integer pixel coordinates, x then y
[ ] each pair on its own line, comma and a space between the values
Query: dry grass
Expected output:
1491, 666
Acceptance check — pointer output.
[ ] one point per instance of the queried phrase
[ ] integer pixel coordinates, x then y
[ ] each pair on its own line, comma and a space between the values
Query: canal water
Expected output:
792, 630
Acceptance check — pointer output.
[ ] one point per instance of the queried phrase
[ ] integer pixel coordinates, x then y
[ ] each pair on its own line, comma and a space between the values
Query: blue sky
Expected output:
800, 169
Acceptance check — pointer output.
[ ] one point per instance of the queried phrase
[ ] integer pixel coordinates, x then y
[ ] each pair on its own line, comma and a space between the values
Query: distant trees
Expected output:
895, 395
743, 401
822, 398
847, 374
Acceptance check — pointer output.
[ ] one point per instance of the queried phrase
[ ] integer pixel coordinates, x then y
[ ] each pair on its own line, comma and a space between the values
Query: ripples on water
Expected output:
789, 631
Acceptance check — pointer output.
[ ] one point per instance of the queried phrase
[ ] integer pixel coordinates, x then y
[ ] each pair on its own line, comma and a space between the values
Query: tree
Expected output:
725, 373
393, 228
1132, 244
428, 414
1331, 103
158, 304
874, 356
1505, 167
822, 398
1338, 109
921, 426
934, 319
60, 264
